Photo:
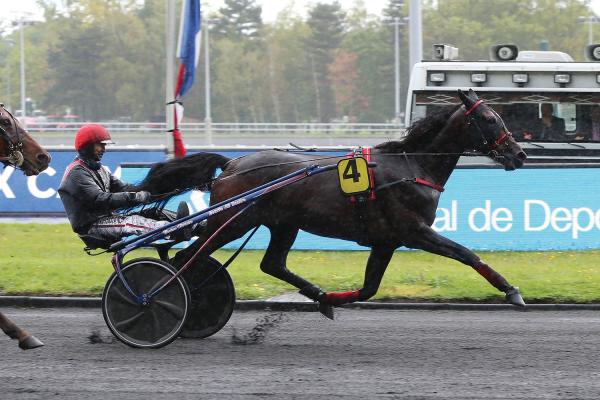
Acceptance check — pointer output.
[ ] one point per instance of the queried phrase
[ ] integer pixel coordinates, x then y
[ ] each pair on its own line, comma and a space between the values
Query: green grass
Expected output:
49, 260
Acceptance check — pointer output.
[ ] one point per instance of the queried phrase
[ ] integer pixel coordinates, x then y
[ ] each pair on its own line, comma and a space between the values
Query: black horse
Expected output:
19, 150
409, 177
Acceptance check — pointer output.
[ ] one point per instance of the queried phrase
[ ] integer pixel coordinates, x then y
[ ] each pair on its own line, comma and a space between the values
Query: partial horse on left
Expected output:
20, 151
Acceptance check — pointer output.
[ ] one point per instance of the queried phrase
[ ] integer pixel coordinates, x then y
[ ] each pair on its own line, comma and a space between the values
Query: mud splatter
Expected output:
259, 332
95, 337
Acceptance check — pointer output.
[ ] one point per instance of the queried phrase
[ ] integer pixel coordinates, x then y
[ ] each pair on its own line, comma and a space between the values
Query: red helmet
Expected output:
91, 133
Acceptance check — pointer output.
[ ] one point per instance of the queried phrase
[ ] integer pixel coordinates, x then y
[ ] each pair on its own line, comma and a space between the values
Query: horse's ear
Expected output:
472, 95
463, 97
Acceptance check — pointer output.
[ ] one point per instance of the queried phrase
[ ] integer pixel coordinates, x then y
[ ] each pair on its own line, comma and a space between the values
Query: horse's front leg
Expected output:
427, 239
26, 340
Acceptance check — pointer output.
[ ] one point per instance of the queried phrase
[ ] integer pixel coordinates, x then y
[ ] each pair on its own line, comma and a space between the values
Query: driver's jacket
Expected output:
89, 194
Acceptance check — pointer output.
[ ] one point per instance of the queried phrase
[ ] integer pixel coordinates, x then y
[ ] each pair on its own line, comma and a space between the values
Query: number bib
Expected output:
354, 175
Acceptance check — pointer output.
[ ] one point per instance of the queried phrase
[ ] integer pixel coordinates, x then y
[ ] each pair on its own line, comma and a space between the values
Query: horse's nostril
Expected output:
43, 158
522, 155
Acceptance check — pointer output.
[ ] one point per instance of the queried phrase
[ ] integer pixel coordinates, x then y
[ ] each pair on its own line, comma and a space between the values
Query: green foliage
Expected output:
48, 259
239, 19
326, 23
105, 59
475, 25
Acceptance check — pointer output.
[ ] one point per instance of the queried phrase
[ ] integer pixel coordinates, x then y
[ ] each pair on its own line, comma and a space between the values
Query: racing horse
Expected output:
19, 150
409, 177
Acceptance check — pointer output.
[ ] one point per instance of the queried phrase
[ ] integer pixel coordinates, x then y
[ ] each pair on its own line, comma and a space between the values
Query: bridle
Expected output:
15, 148
486, 143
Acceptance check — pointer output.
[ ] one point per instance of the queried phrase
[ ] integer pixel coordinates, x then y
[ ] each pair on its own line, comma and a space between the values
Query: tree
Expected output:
73, 63
344, 75
290, 69
394, 9
374, 64
106, 58
474, 26
326, 22
239, 19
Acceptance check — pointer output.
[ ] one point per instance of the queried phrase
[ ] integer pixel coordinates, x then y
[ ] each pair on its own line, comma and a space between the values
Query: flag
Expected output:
188, 48
188, 52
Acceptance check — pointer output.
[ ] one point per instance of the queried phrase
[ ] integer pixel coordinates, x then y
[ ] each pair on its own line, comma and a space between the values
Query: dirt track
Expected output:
363, 354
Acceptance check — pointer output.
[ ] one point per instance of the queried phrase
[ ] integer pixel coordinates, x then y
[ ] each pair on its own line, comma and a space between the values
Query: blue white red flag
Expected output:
188, 51
188, 48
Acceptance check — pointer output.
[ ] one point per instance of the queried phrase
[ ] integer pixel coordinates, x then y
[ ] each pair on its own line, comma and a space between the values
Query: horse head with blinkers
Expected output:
488, 133
21, 151
17, 148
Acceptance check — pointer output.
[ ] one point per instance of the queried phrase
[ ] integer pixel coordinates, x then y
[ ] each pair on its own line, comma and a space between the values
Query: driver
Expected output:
90, 194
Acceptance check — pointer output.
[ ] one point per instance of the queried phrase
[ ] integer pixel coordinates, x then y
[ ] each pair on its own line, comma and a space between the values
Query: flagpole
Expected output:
169, 80
207, 116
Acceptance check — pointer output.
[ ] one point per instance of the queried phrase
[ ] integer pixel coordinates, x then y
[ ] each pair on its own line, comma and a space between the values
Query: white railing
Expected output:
244, 129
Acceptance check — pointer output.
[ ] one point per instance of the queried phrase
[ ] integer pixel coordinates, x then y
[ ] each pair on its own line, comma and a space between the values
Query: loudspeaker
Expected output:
592, 52
444, 52
504, 52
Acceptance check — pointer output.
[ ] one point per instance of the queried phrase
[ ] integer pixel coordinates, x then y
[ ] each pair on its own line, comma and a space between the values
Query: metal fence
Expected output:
242, 129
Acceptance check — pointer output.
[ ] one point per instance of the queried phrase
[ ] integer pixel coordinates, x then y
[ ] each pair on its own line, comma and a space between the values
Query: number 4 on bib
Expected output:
354, 175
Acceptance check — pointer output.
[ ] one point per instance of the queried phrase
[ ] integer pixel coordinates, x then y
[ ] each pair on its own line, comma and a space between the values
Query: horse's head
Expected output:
17, 148
488, 133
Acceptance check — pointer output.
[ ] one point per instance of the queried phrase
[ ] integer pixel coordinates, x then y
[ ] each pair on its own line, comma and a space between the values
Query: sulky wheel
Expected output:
155, 324
212, 301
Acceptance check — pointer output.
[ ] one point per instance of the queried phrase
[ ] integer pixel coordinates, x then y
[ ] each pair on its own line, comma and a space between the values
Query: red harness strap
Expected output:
432, 185
503, 138
470, 110
366, 153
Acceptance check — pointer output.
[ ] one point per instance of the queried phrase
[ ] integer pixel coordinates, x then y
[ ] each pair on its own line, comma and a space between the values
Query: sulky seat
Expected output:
93, 242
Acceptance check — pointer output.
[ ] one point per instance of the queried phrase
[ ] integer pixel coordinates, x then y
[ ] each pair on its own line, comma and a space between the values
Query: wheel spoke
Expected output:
129, 323
160, 282
122, 295
173, 309
157, 328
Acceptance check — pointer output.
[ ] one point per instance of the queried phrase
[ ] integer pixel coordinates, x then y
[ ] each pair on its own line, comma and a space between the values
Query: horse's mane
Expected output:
420, 132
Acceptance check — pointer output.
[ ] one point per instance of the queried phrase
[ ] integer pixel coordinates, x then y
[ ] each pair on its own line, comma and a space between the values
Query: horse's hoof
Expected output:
513, 296
326, 310
30, 342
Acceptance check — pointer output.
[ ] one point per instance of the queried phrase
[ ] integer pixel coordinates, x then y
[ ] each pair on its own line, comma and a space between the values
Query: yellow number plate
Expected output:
354, 175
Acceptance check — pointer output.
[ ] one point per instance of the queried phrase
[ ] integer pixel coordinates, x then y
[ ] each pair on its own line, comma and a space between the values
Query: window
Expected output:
570, 119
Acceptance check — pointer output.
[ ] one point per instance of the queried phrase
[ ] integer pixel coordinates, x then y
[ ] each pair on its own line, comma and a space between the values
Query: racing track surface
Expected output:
363, 354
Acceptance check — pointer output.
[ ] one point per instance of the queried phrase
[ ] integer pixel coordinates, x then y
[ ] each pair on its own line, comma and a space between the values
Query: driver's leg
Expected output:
114, 228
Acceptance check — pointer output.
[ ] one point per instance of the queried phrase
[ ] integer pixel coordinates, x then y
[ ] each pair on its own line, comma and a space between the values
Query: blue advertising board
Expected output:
534, 208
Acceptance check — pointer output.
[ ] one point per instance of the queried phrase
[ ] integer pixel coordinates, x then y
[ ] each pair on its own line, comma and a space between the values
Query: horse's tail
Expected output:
193, 171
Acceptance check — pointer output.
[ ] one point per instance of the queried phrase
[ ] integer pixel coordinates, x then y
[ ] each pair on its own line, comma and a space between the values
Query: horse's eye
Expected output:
490, 120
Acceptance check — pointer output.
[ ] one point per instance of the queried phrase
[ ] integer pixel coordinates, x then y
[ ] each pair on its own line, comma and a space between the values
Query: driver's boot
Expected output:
185, 233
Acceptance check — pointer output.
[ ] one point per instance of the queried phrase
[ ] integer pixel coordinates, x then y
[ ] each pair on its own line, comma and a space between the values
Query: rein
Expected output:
245, 171
15, 149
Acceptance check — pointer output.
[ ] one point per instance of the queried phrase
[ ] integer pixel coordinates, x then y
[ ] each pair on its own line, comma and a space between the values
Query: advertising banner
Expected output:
531, 209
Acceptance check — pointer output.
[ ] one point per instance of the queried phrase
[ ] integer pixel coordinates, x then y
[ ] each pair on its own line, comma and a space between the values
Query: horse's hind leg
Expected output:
26, 340
274, 260
429, 240
274, 264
